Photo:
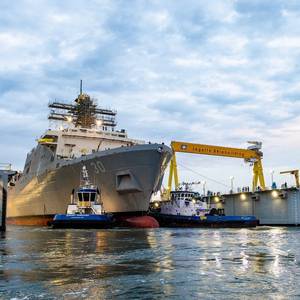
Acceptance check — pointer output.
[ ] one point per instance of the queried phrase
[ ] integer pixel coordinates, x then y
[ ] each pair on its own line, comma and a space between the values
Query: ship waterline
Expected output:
127, 177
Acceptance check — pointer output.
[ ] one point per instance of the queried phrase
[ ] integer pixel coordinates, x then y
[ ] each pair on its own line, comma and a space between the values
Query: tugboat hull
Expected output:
82, 221
207, 221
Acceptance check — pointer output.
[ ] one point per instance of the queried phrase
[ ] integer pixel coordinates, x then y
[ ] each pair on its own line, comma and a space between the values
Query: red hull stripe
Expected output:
30, 220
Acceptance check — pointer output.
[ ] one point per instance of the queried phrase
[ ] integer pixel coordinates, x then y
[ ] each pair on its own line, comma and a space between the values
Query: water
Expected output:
40, 263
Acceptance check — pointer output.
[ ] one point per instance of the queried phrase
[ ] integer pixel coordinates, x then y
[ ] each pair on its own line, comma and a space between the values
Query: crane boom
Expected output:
215, 150
252, 155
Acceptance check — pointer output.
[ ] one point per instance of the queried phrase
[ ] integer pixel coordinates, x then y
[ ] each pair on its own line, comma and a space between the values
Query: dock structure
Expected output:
271, 207
5, 173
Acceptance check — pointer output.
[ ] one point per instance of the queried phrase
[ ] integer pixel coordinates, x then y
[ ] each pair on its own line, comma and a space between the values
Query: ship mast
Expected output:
85, 110
84, 113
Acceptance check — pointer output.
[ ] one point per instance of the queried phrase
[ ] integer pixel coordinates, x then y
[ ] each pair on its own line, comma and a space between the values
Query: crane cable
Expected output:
216, 181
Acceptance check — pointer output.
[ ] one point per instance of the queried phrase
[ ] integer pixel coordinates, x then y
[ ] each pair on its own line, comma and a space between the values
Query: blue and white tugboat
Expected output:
188, 209
86, 208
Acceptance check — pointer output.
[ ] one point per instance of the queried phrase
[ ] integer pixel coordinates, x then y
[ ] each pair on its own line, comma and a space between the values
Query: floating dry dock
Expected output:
270, 207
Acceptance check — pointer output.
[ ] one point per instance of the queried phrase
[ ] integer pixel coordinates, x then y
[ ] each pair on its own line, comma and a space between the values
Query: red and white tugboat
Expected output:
188, 209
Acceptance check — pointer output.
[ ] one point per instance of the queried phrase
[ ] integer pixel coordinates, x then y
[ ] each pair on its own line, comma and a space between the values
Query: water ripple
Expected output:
38, 263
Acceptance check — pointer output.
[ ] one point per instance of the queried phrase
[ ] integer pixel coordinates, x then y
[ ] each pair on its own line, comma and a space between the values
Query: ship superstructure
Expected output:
83, 128
128, 170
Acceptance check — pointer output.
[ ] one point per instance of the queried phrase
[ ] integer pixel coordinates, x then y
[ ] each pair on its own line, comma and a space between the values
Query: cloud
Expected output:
219, 72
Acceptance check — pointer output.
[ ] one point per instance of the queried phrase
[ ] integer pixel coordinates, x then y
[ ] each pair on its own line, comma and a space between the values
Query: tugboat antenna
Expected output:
80, 86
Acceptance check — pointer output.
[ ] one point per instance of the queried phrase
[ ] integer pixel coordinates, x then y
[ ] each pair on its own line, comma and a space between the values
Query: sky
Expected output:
213, 72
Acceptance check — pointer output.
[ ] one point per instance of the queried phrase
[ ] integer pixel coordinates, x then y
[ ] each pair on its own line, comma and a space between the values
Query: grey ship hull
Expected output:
126, 176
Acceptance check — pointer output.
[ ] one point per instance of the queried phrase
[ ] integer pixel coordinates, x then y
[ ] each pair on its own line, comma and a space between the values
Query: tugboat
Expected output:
188, 209
86, 208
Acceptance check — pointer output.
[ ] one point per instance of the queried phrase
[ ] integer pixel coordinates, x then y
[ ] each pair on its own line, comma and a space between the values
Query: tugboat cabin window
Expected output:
87, 196
93, 197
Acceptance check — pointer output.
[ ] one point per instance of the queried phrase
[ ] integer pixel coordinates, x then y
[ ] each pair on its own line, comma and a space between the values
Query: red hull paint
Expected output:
141, 222
30, 220
132, 221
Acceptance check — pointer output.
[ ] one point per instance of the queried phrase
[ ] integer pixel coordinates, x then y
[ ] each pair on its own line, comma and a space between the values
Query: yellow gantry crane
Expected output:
295, 173
251, 155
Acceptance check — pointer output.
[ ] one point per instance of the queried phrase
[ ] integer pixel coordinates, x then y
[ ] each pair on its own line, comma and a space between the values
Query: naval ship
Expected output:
128, 171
